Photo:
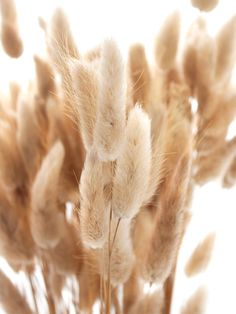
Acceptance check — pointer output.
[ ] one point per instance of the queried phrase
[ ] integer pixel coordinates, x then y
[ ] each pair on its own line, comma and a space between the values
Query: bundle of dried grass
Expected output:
95, 190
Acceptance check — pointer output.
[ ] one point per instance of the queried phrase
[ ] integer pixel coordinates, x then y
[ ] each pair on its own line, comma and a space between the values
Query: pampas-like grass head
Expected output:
110, 123
133, 166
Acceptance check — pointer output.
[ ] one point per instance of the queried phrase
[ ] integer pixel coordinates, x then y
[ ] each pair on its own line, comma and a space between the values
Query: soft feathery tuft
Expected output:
167, 41
47, 222
85, 84
93, 207
133, 166
201, 256
110, 123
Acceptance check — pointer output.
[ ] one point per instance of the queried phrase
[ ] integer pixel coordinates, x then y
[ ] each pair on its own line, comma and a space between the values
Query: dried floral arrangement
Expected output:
121, 144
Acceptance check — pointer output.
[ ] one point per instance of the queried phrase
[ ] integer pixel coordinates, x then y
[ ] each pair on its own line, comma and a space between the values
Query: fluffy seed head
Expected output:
166, 45
133, 166
93, 208
110, 123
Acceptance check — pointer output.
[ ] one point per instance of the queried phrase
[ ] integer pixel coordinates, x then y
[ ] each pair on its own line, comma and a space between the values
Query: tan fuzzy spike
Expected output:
133, 166
62, 37
149, 304
85, 84
62, 48
31, 144
162, 250
167, 41
11, 41
205, 5
46, 221
45, 78
10, 297
226, 50
140, 74
214, 165
93, 209
196, 303
110, 123
10, 38
201, 256
122, 256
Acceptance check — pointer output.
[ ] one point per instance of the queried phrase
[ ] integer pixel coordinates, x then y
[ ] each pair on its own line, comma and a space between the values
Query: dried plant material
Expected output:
14, 92
63, 130
205, 5
45, 78
158, 122
213, 166
110, 123
93, 54
122, 257
16, 241
132, 291
93, 208
162, 250
225, 50
85, 84
56, 282
10, 38
94, 191
47, 222
149, 304
12, 171
201, 256
193, 60
133, 166
61, 35
167, 41
11, 41
89, 282
230, 175
62, 48
140, 74
66, 256
196, 303
10, 297
31, 144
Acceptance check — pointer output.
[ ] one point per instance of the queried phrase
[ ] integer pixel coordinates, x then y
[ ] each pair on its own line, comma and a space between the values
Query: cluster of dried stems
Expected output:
121, 143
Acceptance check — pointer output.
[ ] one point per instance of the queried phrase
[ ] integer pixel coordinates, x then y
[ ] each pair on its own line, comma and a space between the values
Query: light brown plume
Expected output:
167, 41
94, 211
201, 256
196, 303
133, 166
205, 5
110, 123
47, 222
